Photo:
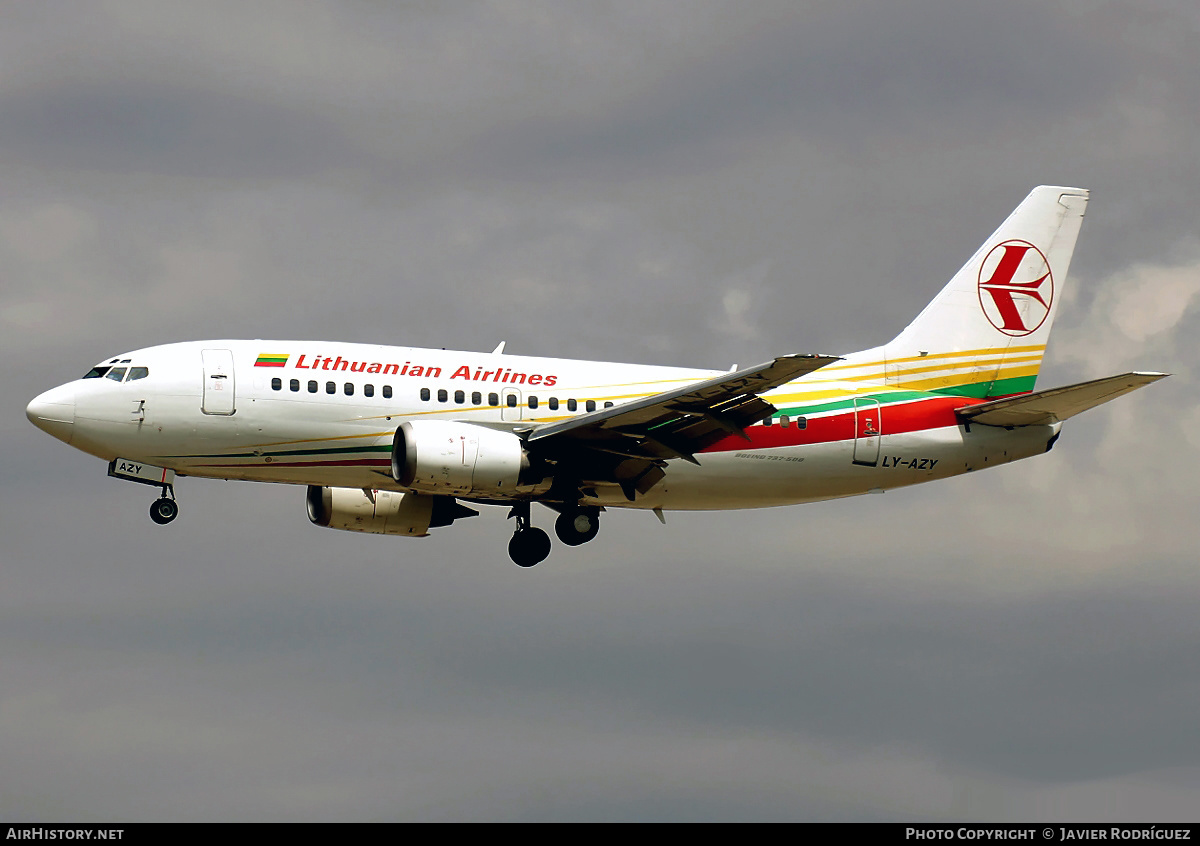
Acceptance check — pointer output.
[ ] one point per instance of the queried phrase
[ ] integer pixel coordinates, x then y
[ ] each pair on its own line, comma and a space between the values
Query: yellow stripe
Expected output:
934, 356
959, 368
847, 388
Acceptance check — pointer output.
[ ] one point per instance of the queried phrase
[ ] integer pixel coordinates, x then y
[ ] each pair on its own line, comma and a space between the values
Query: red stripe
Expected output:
933, 413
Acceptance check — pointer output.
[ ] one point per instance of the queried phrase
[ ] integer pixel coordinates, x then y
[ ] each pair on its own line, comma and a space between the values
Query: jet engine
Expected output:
459, 458
382, 512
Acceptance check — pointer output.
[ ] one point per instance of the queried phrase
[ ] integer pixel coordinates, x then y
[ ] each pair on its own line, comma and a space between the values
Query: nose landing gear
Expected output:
164, 509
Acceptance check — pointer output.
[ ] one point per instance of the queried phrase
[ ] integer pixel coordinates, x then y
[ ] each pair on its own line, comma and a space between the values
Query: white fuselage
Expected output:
327, 415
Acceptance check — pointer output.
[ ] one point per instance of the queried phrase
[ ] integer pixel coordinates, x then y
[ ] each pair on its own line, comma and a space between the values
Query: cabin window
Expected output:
801, 423
572, 405
276, 384
442, 395
609, 404
96, 372
493, 399
533, 402
511, 400
368, 390
553, 403
294, 384
348, 388
387, 391
425, 395
460, 397
476, 398
117, 374
591, 405
312, 386
785, 421
331, 387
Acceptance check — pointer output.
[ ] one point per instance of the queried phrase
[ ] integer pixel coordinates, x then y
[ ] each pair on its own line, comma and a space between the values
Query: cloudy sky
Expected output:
691, 183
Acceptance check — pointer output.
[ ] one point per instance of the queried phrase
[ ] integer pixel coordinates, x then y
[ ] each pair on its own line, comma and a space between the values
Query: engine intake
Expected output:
458, 458
383, 512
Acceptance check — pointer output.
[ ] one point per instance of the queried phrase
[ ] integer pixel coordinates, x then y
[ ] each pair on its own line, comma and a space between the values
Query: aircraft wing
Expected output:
629, 443
1056, 404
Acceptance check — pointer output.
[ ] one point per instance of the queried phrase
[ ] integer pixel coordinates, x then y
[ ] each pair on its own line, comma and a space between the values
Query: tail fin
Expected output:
984, 335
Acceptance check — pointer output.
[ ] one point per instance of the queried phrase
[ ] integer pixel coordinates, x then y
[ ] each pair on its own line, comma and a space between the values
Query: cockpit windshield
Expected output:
118, 374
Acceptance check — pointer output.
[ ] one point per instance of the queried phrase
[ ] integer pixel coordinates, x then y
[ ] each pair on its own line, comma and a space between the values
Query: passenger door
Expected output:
868, 427
219, 387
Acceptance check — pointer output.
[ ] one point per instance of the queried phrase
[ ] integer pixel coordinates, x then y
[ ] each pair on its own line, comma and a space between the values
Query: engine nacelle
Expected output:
458, 458
382, 513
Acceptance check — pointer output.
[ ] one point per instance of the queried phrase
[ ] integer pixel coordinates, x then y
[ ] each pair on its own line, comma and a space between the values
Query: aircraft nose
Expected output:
54, 412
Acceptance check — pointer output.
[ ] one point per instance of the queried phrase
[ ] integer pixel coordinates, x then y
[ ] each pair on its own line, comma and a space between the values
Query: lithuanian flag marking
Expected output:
271, 360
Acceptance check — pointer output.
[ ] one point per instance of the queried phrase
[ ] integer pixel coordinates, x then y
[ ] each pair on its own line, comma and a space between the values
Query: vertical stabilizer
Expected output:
985, 333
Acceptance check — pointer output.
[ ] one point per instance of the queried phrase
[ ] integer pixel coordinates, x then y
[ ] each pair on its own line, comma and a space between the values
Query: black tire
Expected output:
529, 547
577, 527
163, 511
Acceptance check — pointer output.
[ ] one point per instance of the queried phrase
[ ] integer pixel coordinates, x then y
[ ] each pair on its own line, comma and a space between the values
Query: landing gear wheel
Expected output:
577, 527
163, 511
528, 547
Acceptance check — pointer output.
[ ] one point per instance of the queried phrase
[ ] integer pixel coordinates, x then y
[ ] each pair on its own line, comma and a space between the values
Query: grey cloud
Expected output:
149, 129
823, 77
692, 187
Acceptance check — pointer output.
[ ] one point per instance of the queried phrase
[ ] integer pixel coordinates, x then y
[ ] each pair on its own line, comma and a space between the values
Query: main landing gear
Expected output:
164, 509
530, 546
577, 526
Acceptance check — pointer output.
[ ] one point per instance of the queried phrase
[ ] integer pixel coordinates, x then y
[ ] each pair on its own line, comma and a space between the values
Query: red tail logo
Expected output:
1012, 270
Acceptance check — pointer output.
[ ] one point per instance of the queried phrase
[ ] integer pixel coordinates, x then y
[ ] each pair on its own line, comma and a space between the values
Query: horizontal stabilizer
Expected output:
1056, 404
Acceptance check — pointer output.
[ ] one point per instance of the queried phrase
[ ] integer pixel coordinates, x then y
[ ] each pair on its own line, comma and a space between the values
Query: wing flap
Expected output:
693, 412
630, 444
1055, 404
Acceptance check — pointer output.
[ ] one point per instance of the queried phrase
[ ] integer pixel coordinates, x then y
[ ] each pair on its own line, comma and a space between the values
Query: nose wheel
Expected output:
164, 509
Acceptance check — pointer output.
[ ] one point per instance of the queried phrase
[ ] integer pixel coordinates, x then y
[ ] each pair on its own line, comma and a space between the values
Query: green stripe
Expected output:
1000, 387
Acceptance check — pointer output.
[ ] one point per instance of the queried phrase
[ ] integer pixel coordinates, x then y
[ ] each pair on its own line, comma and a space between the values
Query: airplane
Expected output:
398, 440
